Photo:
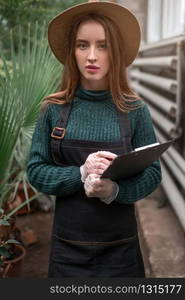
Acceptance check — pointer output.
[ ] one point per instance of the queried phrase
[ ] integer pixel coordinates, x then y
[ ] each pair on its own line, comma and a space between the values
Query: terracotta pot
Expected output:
12, 267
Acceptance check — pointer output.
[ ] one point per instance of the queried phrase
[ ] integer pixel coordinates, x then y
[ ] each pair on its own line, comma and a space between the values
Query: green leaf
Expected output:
4, 252
31, 73
12, 241
4, 222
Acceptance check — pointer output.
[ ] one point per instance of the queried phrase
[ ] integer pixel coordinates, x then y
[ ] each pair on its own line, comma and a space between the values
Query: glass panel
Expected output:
154, 20
173, 18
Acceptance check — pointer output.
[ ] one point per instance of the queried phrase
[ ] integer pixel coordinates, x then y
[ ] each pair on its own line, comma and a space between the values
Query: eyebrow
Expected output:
85, 41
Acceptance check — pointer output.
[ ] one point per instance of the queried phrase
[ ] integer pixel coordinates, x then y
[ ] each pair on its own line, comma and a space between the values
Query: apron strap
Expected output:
125, 129
59, 132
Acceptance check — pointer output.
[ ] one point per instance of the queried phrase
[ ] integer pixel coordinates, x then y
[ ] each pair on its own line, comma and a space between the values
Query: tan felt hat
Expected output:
124, 19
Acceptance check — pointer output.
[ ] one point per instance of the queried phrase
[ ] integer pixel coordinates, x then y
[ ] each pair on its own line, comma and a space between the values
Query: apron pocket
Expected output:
123, 254
121, 260
66, 252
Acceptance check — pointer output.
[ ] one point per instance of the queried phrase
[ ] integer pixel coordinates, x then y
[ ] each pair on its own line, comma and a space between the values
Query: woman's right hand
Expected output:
96, 163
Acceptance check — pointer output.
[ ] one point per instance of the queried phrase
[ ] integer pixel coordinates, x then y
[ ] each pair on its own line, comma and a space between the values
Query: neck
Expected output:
93, 95
94, 85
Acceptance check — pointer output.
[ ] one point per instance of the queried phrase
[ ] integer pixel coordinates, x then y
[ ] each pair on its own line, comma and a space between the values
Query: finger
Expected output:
104, 160
90, 192
96, 184
86, 185
99, 172
106, 154
100, 182
93, 177
92, 156
89, 189
102, 166
90, 181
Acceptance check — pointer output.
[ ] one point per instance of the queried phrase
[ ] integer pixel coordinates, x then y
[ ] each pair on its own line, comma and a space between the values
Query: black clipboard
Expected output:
134, 162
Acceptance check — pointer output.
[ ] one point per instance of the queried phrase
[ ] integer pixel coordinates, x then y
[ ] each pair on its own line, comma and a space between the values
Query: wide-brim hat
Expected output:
123, 18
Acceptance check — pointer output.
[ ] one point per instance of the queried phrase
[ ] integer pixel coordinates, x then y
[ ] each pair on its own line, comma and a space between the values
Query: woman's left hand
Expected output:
96, 187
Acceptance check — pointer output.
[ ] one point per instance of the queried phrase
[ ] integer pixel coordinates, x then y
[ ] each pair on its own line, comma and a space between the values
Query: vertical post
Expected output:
180, 119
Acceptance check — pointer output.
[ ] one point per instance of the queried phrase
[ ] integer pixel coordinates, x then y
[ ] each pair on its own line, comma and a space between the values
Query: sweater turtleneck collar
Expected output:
92, 94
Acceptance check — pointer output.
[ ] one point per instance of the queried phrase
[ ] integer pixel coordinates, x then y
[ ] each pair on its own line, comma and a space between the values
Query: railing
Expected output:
158, 76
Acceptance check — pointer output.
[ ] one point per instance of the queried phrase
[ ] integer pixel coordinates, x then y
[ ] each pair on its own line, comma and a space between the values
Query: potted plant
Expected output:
11, 251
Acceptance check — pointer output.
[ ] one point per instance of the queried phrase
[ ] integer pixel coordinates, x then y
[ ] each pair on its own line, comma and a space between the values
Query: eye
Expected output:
102, 46
81, 46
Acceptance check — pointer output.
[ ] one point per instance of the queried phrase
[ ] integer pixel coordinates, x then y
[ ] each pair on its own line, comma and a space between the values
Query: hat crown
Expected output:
124, 19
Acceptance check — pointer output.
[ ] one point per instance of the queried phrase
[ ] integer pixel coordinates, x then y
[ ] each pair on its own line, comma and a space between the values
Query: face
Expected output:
92, 55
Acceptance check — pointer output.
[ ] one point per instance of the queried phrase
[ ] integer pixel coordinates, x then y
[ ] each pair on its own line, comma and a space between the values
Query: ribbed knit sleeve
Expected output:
141, 185
42, 173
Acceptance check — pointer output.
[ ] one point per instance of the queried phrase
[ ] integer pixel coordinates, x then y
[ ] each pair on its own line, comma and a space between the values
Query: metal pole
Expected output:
177, 173
157, 100
162, 61
166, 84
163, 123
174, 195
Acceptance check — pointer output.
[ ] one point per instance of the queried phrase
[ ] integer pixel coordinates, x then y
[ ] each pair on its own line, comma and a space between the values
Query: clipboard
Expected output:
134, 162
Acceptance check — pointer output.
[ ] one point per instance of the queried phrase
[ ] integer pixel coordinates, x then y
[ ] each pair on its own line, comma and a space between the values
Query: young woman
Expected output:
94, 117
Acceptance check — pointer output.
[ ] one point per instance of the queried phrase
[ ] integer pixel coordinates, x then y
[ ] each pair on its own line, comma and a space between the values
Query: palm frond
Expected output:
31, 74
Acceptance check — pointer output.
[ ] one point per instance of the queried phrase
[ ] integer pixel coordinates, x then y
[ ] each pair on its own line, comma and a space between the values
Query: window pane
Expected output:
173, 17
154, 20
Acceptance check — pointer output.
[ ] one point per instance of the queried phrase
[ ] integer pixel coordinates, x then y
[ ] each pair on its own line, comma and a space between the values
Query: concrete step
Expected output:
162, 240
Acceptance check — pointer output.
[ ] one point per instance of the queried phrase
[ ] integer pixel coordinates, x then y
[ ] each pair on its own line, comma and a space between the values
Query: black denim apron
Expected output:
89, 237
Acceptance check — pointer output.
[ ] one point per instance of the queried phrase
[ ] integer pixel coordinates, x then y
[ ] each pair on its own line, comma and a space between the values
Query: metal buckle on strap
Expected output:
58, 133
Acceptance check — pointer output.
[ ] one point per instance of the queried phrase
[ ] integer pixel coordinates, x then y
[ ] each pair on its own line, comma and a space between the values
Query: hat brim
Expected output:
124, 19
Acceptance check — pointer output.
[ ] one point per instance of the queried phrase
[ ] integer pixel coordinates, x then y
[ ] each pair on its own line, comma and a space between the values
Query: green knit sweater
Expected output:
93, 117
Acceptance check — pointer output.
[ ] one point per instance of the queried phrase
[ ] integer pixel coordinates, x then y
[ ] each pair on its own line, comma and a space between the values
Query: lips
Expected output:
92, 67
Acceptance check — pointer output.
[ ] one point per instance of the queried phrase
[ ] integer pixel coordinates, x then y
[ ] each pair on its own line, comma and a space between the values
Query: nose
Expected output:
92, 56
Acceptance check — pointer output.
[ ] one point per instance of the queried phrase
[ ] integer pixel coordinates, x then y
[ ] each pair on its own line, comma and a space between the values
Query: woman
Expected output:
94, 117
